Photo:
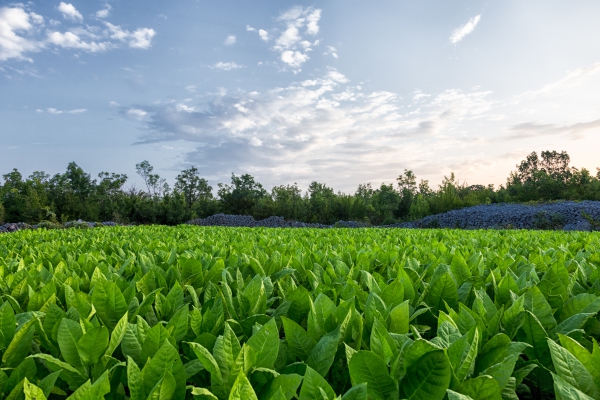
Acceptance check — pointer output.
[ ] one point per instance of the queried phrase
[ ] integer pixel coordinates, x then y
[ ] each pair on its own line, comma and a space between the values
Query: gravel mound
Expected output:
566, 215
17, 226
249, 222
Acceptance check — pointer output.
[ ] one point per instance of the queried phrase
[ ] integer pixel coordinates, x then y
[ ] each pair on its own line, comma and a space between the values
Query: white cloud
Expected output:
70, 12
312, 26
250, 29
191, 88
73, 41
290, 43
314, 129
294, 58
140, 38
58, 112
229, 40
264, 35
185, 108
462, 31
136, 113
105, 12
16, 29
331, 50
23, 32
227, 66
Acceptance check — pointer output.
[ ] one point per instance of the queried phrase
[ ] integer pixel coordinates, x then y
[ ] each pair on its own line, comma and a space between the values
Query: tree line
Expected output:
74, 194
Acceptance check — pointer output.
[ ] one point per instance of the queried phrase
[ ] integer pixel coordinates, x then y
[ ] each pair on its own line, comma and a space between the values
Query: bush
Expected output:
49, 225
1, 214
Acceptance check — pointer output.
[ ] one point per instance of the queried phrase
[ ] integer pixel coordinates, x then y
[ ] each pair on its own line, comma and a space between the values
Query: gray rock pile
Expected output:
249, 222
13, 227
17, 226
566, 215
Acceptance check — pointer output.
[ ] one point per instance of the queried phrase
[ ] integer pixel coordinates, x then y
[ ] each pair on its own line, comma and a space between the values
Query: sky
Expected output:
339, 92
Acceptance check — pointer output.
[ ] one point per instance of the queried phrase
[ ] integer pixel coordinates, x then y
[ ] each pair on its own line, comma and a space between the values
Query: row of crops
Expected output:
220, 313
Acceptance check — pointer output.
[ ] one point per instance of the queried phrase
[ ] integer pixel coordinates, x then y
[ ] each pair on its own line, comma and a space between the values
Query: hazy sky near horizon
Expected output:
341, 92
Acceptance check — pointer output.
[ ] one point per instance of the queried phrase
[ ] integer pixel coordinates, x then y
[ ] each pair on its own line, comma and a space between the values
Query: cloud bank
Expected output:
23, 32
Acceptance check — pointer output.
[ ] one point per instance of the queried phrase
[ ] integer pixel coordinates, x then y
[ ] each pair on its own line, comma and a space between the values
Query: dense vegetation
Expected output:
74, 195
221, 313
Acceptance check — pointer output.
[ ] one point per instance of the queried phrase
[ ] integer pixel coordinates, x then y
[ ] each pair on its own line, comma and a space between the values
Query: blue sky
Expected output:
342, 92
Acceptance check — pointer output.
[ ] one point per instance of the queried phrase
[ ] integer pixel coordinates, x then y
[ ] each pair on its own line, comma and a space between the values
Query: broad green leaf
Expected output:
209, 362
73, 377
69, 333
468, 362
26, 369
117, 334
92, 344
536, 336
164, 388
47, 384
483, 387
109, 303
322, 356
428, 378
265, 344
19, 346
358, 392
400, 318
564, 391
165, 360
203, 393
393, 294
584, 356
286, 384
242, 389
442, 289
311, 384
89, 391
452, 395
571, 370
300, 344
179, 322
32, 392
134, 380
367, 367
8, 324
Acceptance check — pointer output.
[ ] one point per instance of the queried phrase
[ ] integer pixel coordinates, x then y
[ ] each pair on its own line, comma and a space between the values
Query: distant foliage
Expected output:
75, 194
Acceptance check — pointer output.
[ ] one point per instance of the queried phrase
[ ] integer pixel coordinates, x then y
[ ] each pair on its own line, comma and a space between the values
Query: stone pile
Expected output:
249, 222
17, 226
566, 215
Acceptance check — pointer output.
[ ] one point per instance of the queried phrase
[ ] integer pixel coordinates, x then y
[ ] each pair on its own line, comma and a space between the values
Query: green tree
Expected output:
193, 187
321, 203
288, 201
407, 185
242, 195
154, 183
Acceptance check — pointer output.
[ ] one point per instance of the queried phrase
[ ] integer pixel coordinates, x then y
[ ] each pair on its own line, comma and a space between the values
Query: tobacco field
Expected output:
190, 312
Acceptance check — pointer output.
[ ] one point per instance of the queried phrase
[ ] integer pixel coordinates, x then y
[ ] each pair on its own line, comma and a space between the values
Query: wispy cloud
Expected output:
572, 78
462, 31
54, 111
227, 66
533, 129
229, 40
105, 12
